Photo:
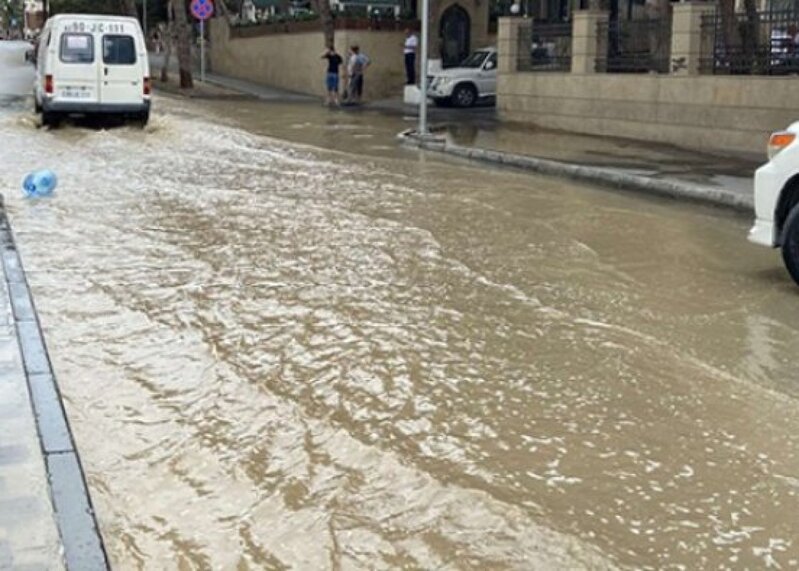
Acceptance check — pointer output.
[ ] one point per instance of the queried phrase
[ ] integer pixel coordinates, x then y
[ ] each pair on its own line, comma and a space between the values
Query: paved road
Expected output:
286, 342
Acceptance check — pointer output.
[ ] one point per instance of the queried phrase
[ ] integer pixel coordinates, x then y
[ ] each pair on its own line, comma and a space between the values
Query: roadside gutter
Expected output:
608, 177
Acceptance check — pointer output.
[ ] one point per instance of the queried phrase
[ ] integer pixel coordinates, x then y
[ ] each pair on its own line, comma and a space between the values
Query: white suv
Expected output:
474, 79
777, 199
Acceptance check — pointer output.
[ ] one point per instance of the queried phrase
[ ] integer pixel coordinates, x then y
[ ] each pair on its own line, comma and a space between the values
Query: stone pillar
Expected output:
508, 32
586, 43
686, 36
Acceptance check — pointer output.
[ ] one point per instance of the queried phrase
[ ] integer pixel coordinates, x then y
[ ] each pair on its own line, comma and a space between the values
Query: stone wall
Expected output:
709, 112
292, 61
734, 113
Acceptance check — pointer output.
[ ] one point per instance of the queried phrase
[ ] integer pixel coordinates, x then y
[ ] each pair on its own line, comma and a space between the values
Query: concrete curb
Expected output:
612, 178
69, 494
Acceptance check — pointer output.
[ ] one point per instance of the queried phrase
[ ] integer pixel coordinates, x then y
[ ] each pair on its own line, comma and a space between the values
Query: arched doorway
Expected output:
454, 31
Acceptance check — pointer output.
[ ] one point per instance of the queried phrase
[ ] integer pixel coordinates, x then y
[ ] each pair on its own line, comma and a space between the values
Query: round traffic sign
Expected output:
202, 9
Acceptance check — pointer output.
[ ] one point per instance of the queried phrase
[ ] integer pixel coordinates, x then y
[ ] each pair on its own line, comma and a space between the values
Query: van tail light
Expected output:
48, 84
147, 86
778, 142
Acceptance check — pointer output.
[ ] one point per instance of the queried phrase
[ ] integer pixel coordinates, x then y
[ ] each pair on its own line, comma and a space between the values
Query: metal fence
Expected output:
545, 47
758, 43
634, 46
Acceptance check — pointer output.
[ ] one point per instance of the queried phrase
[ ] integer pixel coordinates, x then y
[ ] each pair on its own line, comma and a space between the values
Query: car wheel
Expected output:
790, 243
464, 96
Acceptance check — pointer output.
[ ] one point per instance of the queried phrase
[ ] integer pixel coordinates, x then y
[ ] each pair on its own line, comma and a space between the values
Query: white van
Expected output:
91, 64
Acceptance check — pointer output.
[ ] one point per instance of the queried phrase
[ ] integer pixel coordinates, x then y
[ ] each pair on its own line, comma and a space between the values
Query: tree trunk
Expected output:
184, 43
728, 27
169, 39
167, 55
221, 9
129, 8
328, 24
750, 35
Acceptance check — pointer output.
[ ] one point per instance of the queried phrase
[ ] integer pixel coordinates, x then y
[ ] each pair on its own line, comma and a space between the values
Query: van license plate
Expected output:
75, 93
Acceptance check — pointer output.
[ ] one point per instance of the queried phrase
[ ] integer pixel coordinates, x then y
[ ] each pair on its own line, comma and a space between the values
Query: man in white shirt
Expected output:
356, 67
411, 45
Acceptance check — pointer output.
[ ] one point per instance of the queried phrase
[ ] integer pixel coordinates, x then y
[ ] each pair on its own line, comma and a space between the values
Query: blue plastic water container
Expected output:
39, 183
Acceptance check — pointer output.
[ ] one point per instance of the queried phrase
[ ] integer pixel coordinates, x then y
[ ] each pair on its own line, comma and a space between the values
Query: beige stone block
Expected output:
582, 64
627, 87
684, 90
774, 92
507, 48
685, 43
583, 45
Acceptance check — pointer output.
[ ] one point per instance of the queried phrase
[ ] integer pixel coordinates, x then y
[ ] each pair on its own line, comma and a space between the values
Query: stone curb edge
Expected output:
75, 518
604, 176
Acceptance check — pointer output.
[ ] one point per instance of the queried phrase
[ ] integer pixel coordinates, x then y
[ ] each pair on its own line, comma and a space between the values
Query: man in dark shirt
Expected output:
334, 62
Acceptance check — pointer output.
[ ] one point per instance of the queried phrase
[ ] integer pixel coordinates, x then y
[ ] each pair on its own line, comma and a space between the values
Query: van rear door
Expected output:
75, 68
122, 76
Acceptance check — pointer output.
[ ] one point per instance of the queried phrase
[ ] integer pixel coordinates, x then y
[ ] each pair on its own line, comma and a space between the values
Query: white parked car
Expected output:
777, 199
463, 86
91, 64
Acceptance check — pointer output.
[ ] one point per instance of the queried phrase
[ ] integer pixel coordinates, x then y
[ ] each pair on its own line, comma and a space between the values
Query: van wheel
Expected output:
464, 96
790, 243
50, 119
143, 118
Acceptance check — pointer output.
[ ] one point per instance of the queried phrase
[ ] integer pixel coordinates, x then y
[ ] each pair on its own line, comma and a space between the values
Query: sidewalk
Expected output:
477, 134
46, 516
28, 533
245, 87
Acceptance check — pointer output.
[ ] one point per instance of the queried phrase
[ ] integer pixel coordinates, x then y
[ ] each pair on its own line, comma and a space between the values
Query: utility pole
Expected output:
423, 130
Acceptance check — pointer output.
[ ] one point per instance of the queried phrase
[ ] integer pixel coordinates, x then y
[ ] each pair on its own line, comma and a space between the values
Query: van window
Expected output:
119, 50
77, 48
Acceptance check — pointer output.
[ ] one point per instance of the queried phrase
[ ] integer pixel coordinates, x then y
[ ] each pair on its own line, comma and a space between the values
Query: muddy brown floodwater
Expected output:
277, 355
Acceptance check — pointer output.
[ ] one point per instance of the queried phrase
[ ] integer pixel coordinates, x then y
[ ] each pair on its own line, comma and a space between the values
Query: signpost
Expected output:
202, 10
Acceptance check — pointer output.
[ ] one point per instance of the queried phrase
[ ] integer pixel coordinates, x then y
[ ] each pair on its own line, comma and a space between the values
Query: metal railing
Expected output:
545, 47
757, 43
634, 46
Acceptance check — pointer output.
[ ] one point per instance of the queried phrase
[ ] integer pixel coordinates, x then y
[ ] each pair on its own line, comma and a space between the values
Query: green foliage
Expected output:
281, 19
306, 17
84, 7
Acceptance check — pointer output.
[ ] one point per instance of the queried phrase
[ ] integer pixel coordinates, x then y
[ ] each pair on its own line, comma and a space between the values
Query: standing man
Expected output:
334, 62
411, 45
356, 68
